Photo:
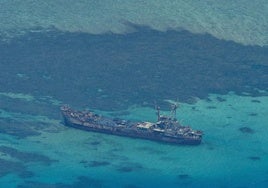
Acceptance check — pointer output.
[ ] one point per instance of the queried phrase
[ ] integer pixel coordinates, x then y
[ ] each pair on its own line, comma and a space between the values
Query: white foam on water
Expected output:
30, 98
243, 21
21, 96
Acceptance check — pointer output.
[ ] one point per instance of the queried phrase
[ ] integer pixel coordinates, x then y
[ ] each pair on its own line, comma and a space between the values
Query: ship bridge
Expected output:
145, 125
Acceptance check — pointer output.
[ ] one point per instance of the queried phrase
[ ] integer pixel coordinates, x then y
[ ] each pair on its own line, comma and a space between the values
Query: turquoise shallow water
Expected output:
227, 156
120, 58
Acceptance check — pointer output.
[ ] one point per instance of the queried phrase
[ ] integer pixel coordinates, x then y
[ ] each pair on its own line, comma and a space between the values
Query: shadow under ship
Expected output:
167, 129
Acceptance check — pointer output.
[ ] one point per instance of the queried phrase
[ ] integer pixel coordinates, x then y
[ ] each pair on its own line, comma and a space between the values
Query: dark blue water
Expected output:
145, 66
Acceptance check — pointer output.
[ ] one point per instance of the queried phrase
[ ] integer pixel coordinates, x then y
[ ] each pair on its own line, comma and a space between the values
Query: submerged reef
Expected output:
26, 157
11, 167
246, 130
81, 182
113, 72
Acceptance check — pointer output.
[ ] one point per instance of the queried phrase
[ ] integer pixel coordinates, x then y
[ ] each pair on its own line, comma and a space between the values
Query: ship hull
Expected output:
130, 133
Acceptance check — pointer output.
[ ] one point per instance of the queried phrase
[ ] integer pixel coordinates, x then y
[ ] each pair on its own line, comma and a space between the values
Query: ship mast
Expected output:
174, 110
158, 112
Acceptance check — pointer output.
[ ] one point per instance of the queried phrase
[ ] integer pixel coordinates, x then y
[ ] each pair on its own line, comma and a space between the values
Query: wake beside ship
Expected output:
166, 129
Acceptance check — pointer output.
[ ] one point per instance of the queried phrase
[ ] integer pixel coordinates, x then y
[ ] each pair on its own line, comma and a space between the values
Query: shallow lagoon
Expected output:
66, 157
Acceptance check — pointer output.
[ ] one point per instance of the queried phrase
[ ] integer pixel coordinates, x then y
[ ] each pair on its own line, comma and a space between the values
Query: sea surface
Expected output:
121, 58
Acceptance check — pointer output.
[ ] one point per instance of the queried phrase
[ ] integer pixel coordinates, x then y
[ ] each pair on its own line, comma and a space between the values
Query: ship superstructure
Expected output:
165, 129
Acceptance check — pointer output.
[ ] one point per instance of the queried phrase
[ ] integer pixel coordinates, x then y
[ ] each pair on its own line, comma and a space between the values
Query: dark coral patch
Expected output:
17, 129
23, 129
26, 174
246, 130
8, 167
95, 143
98, 163
210, 148
130, 167
183, 176
254, 158
253, 114
211, 107
220, 99
83, 162
82, 181
208, 100
26, 156
94, 163
256, 101
125, 169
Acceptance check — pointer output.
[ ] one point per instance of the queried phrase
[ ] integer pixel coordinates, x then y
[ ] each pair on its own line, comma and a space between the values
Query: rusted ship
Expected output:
165, 129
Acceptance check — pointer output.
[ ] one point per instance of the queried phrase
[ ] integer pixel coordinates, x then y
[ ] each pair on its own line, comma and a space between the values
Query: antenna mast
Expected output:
157, 108
174, 109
